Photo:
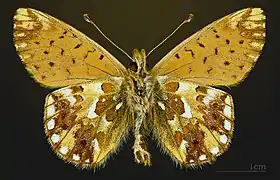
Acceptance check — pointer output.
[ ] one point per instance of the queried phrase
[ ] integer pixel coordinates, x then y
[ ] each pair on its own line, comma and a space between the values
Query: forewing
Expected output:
193, 123
58, 55
222, 53
86, 123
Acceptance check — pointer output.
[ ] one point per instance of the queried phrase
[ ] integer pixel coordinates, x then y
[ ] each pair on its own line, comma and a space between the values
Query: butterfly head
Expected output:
140, 59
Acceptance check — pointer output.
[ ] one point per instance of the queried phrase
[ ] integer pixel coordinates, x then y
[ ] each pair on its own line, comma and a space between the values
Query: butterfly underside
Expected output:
100, 101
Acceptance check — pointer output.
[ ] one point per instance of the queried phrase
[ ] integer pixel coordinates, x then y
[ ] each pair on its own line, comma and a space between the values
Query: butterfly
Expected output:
99, 101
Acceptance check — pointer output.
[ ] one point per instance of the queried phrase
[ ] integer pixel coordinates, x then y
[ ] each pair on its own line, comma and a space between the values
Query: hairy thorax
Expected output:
139, 96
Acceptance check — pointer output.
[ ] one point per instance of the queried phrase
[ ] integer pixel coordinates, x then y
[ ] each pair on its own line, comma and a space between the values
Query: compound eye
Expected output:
139, 91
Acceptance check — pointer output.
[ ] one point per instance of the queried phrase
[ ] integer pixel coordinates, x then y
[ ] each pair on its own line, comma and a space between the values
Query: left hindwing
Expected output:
193, 123
85, 123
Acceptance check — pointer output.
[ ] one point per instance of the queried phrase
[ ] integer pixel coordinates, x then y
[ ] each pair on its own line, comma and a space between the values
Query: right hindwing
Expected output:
192, 123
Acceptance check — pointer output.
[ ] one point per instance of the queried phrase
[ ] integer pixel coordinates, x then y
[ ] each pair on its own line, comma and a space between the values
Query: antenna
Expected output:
87, 19
190, 16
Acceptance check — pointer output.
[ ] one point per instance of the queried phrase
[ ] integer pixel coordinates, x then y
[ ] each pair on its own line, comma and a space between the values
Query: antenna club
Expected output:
189, 18
87, 18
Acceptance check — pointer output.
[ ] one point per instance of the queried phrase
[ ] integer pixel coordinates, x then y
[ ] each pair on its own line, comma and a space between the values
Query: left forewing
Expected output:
86, 123
193, 123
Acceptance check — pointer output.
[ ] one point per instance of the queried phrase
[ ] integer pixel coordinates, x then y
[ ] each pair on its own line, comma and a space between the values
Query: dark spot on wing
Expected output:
87, 54
241, 67
73, 61
36, 42
51, 64
43, 76
61, 37
177, 56
46, 52
77, 46
231, 51
65, 32
51, 42
201, 45
217, 36
62, 52
201, 89
216, 51
226, 63
77, 89
68, 71
190, 70
214, 30
189, 50
241, 42
74, 35
101, 57
209, 70
36, 67
227, 41
204, 60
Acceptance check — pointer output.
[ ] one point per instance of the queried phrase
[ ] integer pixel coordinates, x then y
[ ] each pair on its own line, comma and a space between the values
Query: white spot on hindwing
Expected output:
50, 110
96, 148
183, 146
183, 86
215, 150
227, 111
104, 124
71, 99
211, 95
50, 100
91, 109
51, 124
223, 139
67, 94
63, 150
55, 138
118, 106
95, 144
228, 100
97, 87
161, 105
227, 125
188, 111
76, 157
202, 157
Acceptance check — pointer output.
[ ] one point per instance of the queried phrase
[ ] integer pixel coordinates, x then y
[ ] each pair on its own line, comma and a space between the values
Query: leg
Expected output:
140, 147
